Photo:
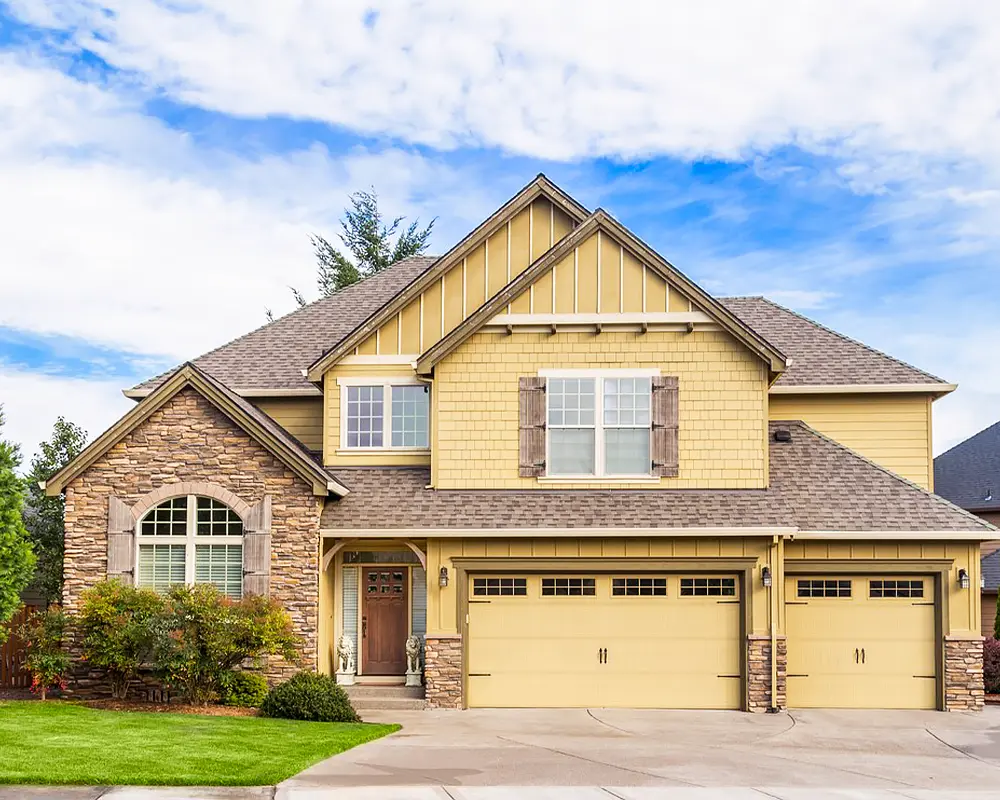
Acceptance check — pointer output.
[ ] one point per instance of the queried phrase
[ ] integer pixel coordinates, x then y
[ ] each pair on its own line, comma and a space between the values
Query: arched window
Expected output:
190, 539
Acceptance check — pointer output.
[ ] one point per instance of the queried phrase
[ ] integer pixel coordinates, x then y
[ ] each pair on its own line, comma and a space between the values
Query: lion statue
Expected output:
413, 654
345, 653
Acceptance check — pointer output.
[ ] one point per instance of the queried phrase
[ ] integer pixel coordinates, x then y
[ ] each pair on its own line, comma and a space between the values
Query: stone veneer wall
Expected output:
189, 439
759, 673
963, 675
443, 671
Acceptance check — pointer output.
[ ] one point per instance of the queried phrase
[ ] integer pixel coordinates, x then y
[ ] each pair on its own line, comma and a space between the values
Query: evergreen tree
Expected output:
17, 562
43, 516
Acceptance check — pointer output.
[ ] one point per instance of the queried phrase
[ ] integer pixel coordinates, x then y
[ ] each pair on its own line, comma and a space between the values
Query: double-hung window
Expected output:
598, 426
190, 539
378, 416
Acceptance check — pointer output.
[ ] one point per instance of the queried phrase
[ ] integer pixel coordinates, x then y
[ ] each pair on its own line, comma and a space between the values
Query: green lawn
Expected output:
57, 742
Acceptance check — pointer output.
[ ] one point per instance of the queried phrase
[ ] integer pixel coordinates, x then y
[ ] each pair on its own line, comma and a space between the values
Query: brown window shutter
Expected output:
257, 549
121, 541
664, 429
531, 424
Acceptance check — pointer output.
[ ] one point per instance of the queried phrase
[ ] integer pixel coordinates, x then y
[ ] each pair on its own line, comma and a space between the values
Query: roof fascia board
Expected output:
139, 394
538, 187
867, 388
521, 533
598, 221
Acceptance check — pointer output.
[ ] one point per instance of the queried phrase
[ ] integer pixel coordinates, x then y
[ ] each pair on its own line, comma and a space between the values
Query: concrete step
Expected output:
397, 691
363, 704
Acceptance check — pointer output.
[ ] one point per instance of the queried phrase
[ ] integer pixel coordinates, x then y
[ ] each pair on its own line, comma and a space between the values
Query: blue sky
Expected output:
162, 165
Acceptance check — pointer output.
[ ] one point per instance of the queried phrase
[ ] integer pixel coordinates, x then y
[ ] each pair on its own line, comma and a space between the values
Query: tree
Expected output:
43, 516
17, 562
369, 244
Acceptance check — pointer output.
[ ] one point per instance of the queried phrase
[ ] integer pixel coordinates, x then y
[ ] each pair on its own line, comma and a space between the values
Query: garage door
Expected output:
632, 641
860, 642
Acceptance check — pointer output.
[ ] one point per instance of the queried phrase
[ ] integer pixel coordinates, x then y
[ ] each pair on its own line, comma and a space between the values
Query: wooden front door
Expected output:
384, 625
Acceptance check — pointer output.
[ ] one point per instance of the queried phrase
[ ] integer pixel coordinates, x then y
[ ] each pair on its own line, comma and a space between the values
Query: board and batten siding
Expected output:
893, 430
302, 417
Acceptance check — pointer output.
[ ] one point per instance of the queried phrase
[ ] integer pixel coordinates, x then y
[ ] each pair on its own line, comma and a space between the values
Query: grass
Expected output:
62, 743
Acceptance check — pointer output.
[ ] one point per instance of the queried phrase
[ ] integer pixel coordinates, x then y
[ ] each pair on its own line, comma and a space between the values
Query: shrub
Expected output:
991, 665
45, 659
202, 635
309, 696
116, 627
243, 689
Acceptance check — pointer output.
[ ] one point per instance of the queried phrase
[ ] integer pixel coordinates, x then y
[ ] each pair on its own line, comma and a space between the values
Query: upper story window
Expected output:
187, 540
389, 415
598, 426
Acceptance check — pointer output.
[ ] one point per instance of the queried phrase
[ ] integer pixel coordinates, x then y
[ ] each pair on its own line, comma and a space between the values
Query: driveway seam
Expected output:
960, 750
606, 789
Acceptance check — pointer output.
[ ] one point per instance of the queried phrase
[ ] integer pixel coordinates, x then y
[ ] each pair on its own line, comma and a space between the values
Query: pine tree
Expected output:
17, 562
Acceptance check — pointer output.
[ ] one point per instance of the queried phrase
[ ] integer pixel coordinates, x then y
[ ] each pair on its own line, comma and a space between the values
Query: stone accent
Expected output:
963, 675
759, 673
443, 671
189, 442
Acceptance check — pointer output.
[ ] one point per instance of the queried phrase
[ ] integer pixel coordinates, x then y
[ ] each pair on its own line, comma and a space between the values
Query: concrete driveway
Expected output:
666, 754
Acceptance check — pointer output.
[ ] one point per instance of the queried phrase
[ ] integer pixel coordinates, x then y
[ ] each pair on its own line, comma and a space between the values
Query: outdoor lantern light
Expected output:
765, 576
963, 579
443, 577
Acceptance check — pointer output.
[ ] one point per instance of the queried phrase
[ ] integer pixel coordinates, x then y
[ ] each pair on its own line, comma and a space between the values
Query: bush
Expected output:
309, 696
202, 635
45, 659
243, 689
991, 665
116, 626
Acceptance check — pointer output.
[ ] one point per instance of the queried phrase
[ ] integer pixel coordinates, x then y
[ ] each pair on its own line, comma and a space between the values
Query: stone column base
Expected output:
443, 671
963, 674
759, 673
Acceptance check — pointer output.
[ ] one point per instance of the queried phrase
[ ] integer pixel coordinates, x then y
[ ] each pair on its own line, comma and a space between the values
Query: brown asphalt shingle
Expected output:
816, 485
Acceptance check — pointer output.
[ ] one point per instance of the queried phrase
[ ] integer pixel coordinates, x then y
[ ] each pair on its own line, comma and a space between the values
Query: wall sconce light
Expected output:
443, 577
765, 576
963, 579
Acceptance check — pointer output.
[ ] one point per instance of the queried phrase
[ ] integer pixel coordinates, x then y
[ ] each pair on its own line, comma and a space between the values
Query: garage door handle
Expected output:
605, 655
862, 655
856, 651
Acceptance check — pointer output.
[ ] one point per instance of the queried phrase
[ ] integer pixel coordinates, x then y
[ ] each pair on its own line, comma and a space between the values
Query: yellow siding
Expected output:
331, 413
893, 430
723, 403
300, 416
632, 284
565, 278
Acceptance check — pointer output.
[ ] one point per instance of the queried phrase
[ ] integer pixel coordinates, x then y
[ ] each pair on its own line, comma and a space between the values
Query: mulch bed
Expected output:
170, 708
16, 694
993, 699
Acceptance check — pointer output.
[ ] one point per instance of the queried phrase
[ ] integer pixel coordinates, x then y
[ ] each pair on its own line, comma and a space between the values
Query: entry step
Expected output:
386, 698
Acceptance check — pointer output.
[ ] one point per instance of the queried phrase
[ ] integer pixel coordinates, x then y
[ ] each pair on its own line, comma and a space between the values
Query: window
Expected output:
896, 588
568, 587
708, 587
598, 426
189, 540
639, 587
365, 423
500, 587
824, 588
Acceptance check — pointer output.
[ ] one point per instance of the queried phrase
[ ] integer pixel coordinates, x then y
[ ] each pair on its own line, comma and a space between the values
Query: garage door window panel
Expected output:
708, 587
639, 586
895, 588
499, 587
824, 587
569, 587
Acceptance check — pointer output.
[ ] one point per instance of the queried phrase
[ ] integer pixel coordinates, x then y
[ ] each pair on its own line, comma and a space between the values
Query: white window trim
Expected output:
386, 384
190, 540
599, 475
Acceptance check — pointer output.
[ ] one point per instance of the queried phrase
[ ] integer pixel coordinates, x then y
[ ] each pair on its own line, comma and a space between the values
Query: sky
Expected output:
163, 164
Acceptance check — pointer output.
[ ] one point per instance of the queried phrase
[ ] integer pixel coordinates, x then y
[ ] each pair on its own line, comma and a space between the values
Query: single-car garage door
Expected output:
632, 641
861, 642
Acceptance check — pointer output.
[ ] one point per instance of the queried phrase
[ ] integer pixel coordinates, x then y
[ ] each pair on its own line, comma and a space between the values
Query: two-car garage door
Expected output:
644, 640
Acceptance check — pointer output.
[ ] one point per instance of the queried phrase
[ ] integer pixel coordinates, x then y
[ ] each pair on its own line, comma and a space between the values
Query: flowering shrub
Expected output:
202, 635
45, 659
991, 665
116, 626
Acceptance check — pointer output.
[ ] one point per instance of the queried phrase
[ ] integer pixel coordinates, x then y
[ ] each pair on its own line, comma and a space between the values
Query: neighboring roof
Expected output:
258, 425
539, 187
273, 356
822, 357
969, 473
990, 566
817, 485
601, 221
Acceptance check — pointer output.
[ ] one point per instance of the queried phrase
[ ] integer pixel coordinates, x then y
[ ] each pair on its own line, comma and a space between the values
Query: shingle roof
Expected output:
990, 566
969, 473
821, 356
816, 485
274, 355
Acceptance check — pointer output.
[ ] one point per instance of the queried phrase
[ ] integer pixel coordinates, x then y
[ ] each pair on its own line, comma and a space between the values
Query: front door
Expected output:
384, 625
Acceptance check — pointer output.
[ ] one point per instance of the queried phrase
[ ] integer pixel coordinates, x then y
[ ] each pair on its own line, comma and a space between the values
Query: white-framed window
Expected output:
190, 539
387, 415
598, 425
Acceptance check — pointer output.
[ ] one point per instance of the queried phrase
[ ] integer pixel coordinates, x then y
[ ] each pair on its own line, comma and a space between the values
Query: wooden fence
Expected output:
12, 673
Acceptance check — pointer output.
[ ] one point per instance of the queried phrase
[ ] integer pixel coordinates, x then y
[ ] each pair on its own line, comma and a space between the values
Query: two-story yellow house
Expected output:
566, 474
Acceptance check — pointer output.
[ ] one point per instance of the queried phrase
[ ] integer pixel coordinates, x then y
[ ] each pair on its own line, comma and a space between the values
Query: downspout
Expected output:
772, 598
431, 422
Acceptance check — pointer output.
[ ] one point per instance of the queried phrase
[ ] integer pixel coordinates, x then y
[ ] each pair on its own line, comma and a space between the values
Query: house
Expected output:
577, 477
969, 476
